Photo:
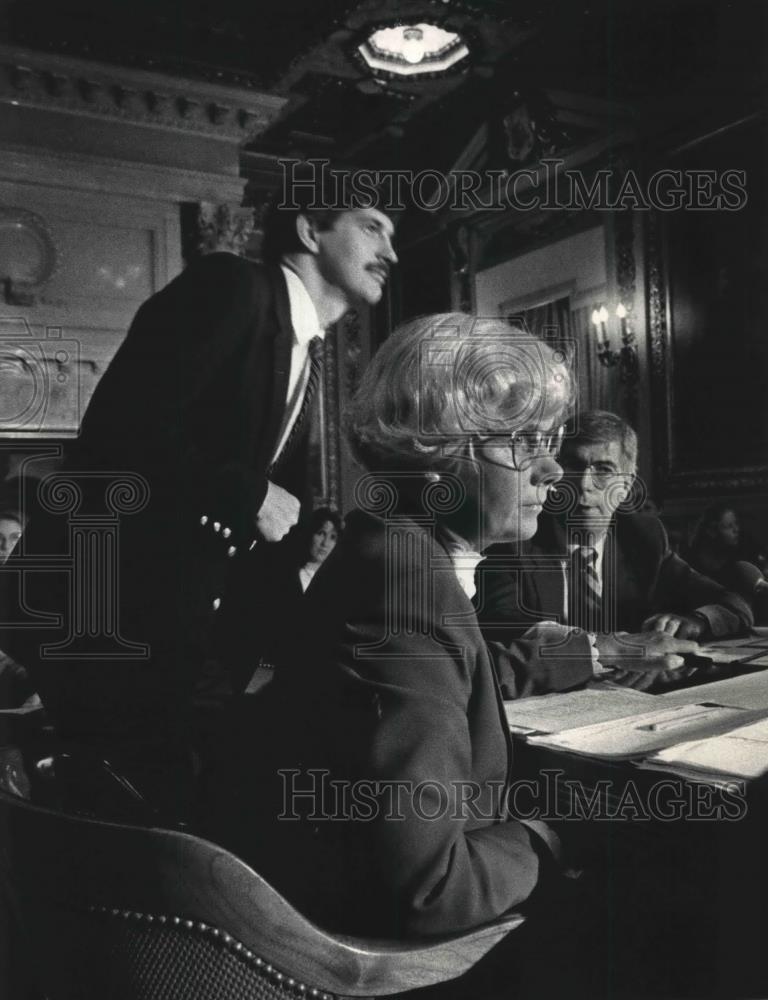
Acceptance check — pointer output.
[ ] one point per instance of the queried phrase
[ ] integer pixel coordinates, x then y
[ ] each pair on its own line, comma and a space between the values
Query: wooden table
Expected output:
697, 886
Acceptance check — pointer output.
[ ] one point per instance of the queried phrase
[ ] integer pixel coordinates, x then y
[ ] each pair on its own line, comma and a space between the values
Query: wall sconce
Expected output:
625, 359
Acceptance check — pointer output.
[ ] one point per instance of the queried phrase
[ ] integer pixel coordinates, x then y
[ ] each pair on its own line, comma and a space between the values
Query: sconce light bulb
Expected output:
596, 317
413, 45
603, 314
621, 312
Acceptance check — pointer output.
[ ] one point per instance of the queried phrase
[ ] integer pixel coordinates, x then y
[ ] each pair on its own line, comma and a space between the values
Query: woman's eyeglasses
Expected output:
525, 446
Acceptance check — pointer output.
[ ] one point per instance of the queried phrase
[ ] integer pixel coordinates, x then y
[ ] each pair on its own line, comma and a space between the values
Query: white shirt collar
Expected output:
304, 319
464, 560
464, 563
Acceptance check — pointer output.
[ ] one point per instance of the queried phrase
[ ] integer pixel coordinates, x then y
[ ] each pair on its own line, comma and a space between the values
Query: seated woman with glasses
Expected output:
373, 787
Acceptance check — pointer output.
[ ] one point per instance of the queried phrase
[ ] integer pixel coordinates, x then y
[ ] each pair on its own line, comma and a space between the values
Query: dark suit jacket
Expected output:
392, 683
192, 403
518, 587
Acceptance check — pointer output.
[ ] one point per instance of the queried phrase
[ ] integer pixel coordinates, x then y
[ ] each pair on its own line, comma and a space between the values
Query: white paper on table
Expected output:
740, 753
551, 713
642, 734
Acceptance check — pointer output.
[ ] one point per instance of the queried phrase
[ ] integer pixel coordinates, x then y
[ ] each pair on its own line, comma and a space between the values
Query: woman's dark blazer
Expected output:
369, 782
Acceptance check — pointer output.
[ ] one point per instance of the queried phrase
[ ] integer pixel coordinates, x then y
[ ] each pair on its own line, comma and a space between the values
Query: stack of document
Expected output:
740, 753
641, 734
751, 650
551, 713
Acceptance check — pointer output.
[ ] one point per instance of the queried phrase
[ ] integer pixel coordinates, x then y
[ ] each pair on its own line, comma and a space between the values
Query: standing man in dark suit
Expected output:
593, 572
200, 417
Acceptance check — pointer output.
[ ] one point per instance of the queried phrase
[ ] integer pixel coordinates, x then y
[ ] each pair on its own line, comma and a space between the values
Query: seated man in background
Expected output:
609, 573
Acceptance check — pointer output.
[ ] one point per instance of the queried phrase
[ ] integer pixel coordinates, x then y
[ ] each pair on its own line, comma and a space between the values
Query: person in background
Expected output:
264, 619
15, 686
11, 527
324, 530
720, 549
595, 569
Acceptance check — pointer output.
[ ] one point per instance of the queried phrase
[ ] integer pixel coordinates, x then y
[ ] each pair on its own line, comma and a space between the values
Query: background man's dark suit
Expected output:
517, 588
193, 402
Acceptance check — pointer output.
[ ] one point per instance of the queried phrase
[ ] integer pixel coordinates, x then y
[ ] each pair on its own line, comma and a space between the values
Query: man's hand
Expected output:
681, 626
649, 653
278, 513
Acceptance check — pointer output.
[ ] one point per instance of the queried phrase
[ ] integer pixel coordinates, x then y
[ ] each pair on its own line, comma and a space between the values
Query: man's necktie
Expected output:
586, 599
315, 354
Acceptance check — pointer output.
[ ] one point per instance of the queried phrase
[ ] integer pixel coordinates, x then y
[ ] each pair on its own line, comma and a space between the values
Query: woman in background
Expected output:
720, 551
262, 618
323, 529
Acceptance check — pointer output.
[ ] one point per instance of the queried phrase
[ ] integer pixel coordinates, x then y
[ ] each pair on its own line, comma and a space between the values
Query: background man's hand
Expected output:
641, 658
278, 513
681, 626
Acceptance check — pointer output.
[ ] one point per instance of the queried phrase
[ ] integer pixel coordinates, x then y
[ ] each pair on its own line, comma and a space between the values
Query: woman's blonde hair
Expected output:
441, 380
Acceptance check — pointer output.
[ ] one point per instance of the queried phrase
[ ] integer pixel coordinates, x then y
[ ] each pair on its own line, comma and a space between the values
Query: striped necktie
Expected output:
585, 592
315, 354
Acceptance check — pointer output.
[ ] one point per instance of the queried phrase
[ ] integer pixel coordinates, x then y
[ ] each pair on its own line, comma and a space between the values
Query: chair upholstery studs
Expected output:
227, 532
204, 520
217, 525
231, 550
216, 603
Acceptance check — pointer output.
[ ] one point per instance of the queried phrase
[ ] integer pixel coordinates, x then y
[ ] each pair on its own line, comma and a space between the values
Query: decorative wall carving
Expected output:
28, 255
707, 309
79, 87
223, 227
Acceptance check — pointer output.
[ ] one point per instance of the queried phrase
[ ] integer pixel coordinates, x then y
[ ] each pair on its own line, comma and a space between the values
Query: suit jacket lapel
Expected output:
548, 581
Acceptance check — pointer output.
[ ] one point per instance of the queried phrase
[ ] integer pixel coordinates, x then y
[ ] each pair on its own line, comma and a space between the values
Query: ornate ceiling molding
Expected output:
83, 88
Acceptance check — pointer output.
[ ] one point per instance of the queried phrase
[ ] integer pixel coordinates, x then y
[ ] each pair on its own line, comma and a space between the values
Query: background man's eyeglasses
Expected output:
600, 475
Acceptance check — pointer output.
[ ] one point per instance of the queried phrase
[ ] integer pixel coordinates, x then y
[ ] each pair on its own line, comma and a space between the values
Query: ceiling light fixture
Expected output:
413, 49
413, 45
